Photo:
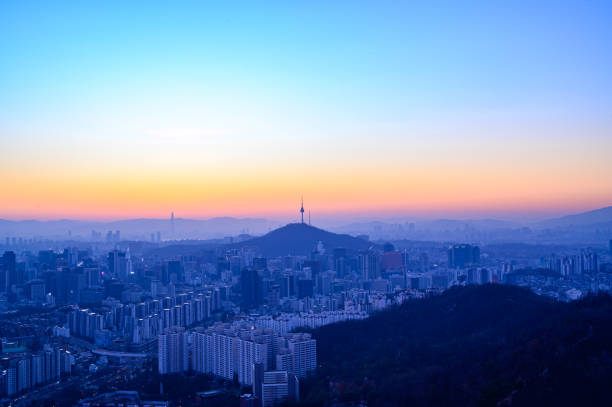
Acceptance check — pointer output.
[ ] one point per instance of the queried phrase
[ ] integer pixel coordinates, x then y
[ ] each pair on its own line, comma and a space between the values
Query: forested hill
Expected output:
301, 239
491, 345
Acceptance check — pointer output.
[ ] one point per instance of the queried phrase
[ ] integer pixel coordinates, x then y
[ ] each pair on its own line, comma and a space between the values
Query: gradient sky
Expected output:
115, 110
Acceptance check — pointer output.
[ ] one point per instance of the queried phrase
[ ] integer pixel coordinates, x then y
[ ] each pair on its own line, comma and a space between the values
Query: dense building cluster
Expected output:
585, 262
136, 325
230, 351
24, 370
231, 310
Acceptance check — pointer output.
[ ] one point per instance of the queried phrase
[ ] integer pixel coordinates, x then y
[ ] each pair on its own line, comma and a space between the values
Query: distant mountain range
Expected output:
595, 217
301, 239
433, 225
588, 227
491, 345
139, 228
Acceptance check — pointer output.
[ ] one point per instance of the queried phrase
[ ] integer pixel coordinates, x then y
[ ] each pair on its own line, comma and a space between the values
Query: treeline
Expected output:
491, 345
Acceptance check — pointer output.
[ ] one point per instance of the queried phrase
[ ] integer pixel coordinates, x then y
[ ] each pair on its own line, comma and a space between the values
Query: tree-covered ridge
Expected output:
487, 345
300, 239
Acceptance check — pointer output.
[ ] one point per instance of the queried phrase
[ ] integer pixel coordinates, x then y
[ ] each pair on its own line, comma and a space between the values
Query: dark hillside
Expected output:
473, 346
301, 239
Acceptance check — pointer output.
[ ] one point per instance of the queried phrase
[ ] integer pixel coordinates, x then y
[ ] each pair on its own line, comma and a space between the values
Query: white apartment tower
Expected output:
173, 351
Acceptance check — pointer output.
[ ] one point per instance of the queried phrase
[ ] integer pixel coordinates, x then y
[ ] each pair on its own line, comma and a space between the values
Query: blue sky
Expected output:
117, 88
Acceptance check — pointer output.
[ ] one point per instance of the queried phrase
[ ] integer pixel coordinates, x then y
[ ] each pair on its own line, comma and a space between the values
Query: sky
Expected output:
114, 110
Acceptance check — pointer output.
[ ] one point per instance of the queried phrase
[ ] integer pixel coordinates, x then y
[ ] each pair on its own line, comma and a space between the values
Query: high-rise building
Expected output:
251, 288
9, 271
260, 263
391, 260
485, 276
278, 387
38, 370
173, 351
65, 361
304, 353
32, 370
24, 375
11, 380
230, 351
305, 288
235, 263
258, 379
175, 271
118, 264
441, 279
248, 353
463, 255
589, 261
271, 388
341, 265
215, 352
369, 264
47, 259
52, 364
315, 267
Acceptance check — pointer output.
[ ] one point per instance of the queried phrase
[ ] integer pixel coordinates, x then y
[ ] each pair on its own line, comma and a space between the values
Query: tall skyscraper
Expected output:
118, 264
369, 263
251, 288
463, 255
9, 271
340, 261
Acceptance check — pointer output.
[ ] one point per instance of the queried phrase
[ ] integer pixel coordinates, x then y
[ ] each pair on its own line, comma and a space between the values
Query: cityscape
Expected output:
230, 311
300, 204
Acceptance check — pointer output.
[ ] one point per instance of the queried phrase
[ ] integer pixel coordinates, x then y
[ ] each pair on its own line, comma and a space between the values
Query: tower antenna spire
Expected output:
302, 209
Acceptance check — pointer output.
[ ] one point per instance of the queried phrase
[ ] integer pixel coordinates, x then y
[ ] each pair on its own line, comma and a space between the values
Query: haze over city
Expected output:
304, 204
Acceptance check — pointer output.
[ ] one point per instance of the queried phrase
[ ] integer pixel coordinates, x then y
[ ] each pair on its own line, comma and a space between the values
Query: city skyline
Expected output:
473, 110
329, 218
347, 203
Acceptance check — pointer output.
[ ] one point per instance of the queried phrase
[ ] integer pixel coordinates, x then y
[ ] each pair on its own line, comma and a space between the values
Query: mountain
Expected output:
597, 216
492, 345
301, 239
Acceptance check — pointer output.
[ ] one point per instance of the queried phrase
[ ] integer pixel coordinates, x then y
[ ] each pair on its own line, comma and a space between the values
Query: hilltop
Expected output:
301, 239
487, 345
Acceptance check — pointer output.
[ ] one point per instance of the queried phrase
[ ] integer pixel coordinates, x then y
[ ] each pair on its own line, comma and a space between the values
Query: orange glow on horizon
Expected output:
263, 193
